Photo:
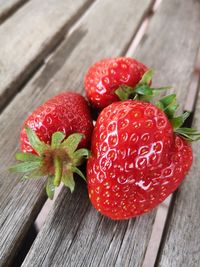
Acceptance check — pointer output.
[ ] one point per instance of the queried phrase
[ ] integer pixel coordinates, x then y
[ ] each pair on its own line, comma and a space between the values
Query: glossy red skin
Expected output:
67, 112
105, 76
136, 160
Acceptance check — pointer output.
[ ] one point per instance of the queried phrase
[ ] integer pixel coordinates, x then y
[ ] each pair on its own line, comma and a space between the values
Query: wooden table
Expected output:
46, 47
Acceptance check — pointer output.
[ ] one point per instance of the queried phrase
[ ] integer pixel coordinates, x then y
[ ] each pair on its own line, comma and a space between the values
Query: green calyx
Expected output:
58, 161
169, 105
142, 91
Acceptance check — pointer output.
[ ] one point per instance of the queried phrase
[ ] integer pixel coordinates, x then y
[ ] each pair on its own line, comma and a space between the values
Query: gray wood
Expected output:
29, 36
170, 45
8, 7
64, 70
97, 240
181, 243
76, 235
178, 41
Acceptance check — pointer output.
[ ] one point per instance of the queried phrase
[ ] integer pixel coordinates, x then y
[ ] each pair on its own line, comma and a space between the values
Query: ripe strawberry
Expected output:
67, 112
50, 138
105, 76
137, 158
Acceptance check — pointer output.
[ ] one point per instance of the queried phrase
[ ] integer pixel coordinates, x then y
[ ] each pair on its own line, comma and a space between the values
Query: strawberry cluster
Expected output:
139, 150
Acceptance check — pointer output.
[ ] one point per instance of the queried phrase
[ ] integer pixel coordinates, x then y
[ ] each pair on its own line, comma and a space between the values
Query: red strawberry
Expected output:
67, 112
50, 138
137, 159
105, 76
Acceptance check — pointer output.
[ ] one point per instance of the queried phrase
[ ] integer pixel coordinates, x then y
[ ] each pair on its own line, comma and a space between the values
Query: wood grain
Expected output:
181, 246
64, 70
98, 241
170, 45
33, 32
76, 235
8, 7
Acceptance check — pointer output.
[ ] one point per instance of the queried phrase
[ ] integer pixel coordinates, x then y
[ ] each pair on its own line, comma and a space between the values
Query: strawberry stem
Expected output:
58, 161
58, 171
142, 91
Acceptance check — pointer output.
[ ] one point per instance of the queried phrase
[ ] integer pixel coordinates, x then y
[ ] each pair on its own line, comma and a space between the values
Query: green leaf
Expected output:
189, 134
36, 174
168, 105
185, 115
26, 157
161, 88
72, 142
50, 188
82, 152
189, 131
147, 77
167, 100
144, 90
25, 166
77, 171
122, 94
80, 155
68, 181
170, 110
177, 122
35, 142
56, 139
160, 105
125, 92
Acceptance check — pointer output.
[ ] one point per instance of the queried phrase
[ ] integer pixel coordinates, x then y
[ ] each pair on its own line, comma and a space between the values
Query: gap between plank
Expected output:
143, 28
189, 106
135, 40
161, 215
9, 11
41, 218
47, 51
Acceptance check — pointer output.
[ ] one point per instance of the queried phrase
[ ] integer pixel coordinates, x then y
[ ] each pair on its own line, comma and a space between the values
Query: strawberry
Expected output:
67, 112
139, 156
50, 137
105, 76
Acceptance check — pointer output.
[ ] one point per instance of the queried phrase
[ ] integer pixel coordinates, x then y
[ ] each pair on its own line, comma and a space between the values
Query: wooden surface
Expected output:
7, 7
34, 30
64, 70
181, 245
96, 242
74, 233
171, 44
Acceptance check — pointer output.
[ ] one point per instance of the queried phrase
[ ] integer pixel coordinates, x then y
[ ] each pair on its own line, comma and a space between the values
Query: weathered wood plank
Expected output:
174, 65
181, 245
76, 235
29, 36
92, 244
99, 241
64, 70
171, 43
8, 7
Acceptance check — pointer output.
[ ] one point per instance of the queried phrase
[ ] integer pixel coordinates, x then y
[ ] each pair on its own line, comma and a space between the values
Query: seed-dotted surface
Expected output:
130, 253
136, 160
74, 233
181, 246
63, 71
